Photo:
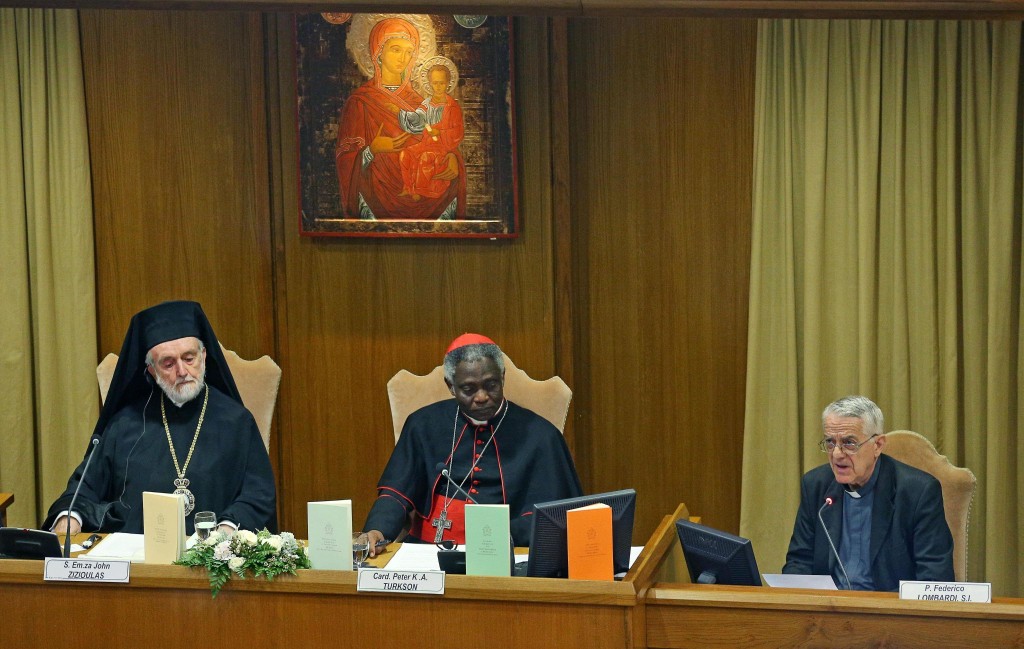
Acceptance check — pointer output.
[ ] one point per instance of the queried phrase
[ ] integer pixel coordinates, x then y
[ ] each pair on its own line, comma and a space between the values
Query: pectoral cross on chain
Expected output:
441, 523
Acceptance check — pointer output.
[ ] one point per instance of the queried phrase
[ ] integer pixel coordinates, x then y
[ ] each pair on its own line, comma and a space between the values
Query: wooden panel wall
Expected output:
192, 136
175, 110
662, 117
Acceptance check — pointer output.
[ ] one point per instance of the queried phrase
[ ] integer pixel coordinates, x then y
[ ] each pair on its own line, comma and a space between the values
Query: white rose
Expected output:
275, 542
246, 537
235, 563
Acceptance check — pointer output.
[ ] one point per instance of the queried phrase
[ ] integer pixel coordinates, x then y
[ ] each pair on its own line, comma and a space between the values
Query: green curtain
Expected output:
887, 260
48, 320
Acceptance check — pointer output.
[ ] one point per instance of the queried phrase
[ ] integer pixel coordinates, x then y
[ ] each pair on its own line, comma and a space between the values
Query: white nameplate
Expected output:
419, 582
946, 591
82, 569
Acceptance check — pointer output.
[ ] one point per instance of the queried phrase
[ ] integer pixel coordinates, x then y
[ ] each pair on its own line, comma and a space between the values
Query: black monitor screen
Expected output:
548, 554
716, 557
19, 543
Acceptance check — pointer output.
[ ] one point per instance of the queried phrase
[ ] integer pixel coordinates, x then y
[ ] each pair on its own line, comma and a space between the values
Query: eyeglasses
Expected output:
849, 447
447, 545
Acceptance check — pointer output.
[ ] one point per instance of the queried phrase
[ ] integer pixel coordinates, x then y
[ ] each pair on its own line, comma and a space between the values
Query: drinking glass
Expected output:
360, 550
205, 523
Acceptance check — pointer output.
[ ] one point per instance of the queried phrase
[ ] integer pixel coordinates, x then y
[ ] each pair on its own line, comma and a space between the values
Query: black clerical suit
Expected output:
526, 462
229, 474
910, 539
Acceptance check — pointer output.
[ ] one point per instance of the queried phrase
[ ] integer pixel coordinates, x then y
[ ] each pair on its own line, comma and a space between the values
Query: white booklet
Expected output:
814, 582
163, 523
330, 534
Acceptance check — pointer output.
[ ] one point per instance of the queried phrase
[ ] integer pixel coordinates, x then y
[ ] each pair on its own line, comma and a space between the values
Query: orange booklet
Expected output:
589, 542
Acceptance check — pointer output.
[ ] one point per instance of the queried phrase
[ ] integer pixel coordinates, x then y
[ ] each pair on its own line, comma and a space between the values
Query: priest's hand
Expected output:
227, 529
373, 537
61, 526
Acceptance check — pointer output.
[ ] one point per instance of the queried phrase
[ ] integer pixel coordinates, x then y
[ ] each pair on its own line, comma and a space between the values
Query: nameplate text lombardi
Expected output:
413, 582
946, 591
93, 570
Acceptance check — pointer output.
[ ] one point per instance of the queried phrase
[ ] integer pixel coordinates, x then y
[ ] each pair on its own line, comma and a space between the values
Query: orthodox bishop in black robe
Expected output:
229, 471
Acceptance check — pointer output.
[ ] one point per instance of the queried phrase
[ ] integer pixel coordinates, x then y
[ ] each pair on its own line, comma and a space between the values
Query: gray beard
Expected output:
185, 392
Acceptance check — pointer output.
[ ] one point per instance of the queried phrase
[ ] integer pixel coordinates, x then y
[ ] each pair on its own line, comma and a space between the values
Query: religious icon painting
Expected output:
406, 126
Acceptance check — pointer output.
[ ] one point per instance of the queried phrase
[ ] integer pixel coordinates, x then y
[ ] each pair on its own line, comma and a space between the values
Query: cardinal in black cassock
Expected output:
229, 472
494, 450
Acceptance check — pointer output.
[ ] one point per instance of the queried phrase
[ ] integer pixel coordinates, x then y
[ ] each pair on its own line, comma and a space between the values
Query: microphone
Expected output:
448, 477
95, 441
828, 503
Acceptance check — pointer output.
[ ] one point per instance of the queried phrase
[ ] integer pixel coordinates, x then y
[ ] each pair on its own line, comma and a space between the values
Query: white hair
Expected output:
858, 407
470, 353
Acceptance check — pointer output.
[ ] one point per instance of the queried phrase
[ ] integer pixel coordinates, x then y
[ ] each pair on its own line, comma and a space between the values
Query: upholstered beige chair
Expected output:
958, 486
257, 382
408, 392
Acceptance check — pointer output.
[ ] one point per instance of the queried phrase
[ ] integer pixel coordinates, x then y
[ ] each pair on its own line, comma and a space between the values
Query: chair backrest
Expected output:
6, 500
408, 392
958, 486
257, 381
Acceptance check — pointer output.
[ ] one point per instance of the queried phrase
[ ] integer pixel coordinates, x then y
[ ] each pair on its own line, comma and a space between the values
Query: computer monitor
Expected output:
20, 543
716, 557
548, 554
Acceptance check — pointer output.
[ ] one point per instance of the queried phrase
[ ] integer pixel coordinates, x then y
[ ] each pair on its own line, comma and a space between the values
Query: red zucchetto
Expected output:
468, 339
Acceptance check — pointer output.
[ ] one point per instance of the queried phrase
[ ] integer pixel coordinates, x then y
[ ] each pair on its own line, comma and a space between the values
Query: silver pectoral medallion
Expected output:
182, 488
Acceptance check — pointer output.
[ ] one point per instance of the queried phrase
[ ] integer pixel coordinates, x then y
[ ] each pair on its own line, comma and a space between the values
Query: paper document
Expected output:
416, 556
122, 546
815, 582
634, 552
423, 556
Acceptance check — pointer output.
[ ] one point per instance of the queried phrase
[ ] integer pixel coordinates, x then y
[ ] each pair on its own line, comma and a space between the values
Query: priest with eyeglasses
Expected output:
173, 422
884, 518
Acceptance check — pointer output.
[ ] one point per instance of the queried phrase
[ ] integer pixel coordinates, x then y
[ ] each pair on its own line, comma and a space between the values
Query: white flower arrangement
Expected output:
261, 553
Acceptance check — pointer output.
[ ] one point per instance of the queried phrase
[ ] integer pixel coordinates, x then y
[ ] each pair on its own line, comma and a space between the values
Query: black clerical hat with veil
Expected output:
148, 328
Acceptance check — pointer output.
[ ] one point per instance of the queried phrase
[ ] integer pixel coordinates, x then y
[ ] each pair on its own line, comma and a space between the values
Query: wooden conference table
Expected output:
170, 606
